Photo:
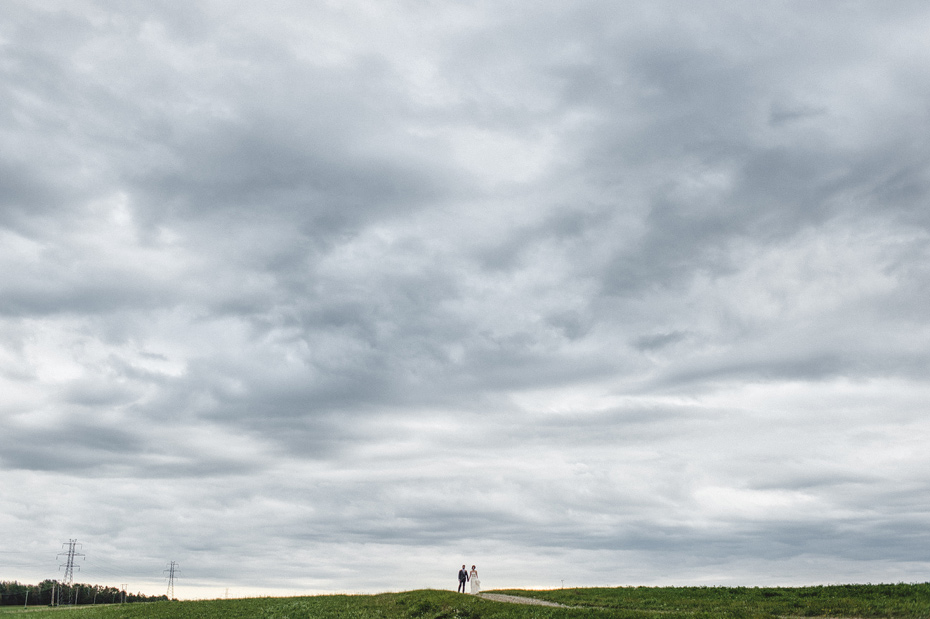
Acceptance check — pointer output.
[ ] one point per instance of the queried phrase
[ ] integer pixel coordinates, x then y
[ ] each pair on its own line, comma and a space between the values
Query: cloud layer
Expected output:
337, 297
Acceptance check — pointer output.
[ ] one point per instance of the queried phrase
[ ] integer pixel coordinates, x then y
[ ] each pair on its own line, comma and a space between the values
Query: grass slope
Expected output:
833, 601
896, 601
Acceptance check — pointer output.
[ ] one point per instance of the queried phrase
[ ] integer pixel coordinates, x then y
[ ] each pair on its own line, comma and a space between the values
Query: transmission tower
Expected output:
71, 553
69, 562
172, 570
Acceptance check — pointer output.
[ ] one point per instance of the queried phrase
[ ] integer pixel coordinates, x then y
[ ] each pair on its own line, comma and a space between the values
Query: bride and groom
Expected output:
466, 576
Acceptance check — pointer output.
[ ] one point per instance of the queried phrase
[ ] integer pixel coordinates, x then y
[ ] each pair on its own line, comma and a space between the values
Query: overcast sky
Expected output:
337, 296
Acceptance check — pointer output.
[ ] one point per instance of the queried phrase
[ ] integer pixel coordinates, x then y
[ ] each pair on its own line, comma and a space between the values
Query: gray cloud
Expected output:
609, 295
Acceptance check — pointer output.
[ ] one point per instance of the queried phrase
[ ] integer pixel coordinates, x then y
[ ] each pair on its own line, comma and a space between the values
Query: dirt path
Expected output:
516, 599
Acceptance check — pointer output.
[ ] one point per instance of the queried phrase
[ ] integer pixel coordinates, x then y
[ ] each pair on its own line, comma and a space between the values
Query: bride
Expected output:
473, 577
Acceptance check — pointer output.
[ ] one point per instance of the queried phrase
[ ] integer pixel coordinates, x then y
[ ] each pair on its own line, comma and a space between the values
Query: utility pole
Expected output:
172, 570
68, 565
123, 591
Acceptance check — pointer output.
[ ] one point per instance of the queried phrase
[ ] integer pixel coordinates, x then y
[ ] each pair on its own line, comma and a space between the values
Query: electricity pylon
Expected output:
172, 570
69, 562
68, 580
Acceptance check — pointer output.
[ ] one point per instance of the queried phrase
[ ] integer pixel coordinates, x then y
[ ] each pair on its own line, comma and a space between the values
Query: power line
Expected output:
97, 565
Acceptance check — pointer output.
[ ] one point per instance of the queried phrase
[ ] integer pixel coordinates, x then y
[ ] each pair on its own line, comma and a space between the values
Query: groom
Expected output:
463, 578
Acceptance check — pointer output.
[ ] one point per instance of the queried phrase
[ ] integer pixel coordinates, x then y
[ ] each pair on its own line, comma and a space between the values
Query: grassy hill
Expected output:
905, 601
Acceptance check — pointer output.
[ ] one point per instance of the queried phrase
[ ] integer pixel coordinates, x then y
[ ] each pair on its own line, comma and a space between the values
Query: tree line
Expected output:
53, 593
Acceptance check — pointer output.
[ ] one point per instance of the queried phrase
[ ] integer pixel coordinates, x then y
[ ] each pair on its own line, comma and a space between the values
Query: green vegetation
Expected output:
894, 601
13, 593
834, 601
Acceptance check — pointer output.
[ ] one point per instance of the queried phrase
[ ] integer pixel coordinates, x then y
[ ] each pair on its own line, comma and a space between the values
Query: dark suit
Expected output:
463, 578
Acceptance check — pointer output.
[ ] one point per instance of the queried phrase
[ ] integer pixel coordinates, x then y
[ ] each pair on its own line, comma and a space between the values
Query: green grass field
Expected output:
833, 601
905, 601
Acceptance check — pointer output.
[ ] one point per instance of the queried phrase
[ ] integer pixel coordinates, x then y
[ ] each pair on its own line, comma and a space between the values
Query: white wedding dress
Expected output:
475, 583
